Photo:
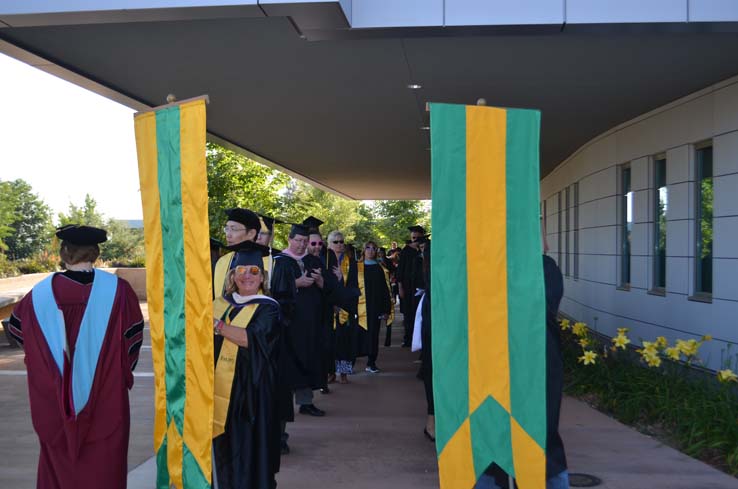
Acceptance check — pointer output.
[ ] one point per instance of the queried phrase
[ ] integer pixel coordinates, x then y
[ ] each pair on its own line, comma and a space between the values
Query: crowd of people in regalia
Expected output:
287, 324
290, 323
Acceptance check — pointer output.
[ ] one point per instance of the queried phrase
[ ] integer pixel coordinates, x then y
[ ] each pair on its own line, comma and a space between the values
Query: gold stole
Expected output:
219, 276
361, 308
225, 369
267, 270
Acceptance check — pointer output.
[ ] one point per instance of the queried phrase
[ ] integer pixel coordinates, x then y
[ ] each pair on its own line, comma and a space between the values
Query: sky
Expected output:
66, 141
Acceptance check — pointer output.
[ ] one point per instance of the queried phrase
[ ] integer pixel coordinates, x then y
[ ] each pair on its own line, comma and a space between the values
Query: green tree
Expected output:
124, 247
86, 215
237, 181
395, 216
25, 220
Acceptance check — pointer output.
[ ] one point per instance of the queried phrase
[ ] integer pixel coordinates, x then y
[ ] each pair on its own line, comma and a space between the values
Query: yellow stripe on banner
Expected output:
174, 456
455, 463
486, 266
198, 408
529, 459
148, 171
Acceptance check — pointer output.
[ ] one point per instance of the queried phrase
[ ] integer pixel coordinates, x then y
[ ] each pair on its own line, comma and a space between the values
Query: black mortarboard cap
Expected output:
269, 222
81, 235
416, 229
312, 223
424, 239
249, 253
244, 216
300, 229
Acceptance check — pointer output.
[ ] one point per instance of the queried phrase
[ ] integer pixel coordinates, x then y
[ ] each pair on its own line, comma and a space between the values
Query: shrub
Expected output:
659, 390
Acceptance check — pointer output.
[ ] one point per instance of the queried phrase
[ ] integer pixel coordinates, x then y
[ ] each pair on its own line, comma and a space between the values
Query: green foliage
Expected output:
237, 181
124, 247
685, 408
7, 267
87, 215
25, 220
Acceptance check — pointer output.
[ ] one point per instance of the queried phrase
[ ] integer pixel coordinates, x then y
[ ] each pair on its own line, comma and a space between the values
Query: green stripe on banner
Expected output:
172, 233
192, 476
490, 434
448, 260
162, 475
525, 290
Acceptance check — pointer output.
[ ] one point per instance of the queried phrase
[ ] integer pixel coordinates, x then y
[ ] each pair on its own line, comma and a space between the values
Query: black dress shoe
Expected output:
311, 410
325, 390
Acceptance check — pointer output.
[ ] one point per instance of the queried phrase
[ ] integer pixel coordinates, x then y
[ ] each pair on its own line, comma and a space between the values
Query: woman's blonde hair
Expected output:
232, 287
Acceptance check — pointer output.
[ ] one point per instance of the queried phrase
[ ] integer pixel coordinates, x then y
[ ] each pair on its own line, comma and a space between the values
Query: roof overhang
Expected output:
293, 86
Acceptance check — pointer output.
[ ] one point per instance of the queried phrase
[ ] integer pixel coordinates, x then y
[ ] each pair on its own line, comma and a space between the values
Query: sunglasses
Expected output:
316, 243
338, 241
244, 269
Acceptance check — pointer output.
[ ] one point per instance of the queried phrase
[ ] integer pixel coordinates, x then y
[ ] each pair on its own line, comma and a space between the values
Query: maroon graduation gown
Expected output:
88, 450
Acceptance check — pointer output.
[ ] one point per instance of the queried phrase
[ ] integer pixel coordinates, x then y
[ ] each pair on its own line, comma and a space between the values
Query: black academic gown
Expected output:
247, 454
302, 309
404, 274
351, 339
555, 456
377, 303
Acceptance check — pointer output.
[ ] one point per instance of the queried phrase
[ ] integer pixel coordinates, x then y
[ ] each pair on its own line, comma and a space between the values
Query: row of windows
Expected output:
703, 189
568, 223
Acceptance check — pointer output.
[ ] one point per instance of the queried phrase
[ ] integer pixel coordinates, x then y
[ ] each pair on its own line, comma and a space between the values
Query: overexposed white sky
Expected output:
66, 141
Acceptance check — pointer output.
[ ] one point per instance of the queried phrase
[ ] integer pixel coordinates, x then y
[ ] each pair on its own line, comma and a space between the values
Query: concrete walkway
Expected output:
371, 438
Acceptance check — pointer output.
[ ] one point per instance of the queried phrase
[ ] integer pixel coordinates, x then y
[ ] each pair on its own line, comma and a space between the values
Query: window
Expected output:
703, 221
661, 202
626, 224
567, 227
558, 231
576, 230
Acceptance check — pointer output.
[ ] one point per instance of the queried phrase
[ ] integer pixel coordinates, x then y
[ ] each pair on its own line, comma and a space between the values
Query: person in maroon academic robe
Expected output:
80, 366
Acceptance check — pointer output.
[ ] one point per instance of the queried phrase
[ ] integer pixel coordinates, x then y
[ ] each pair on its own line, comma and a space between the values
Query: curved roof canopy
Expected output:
296, 86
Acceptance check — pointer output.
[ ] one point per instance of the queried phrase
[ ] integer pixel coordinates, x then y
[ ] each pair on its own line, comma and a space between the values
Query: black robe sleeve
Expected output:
283, 288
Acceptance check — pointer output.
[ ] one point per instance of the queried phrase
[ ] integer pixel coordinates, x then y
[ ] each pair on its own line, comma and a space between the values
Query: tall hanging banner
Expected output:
170, 142
488, 303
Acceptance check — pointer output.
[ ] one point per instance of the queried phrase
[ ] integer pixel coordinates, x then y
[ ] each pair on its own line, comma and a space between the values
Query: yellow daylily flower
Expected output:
580, 329
688, 347
565, 324
652, 359
661, 342
707, 337
727, 375
650, 347
584, 342
620, 341
623, 330
588, 358
673, 352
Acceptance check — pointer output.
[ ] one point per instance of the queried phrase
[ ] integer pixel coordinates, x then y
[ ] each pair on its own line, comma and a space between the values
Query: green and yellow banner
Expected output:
488, 304
170, 143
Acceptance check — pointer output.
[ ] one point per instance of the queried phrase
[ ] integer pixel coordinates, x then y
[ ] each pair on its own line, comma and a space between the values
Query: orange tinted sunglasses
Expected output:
252, 269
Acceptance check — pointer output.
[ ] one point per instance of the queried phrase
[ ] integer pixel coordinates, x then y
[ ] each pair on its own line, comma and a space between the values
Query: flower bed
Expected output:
659, 388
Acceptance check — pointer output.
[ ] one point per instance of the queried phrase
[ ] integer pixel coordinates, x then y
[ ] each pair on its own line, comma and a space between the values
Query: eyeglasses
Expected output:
231, 229
244, 269
316, 243
338, 241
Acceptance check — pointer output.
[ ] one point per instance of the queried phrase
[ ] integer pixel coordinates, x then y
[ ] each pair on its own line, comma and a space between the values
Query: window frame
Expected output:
657, 288
699, 294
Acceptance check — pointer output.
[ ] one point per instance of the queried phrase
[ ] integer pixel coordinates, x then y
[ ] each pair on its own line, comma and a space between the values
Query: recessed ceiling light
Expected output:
425, 128
414, 86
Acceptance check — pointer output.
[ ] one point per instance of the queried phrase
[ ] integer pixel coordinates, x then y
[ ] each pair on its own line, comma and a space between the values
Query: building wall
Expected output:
594, 296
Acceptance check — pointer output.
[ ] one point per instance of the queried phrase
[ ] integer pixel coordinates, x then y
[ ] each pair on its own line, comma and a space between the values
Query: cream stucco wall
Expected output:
594, 297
